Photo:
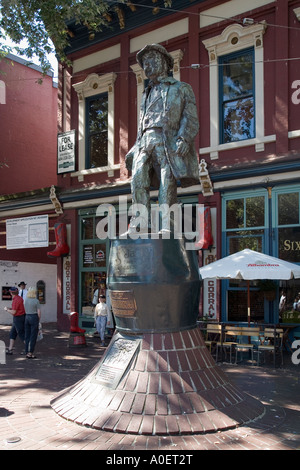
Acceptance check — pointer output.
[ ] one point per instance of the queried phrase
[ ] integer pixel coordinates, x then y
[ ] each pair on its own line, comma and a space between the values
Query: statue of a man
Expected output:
164, 151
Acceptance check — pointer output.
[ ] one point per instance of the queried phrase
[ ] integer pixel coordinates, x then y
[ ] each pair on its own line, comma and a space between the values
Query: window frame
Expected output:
236, 38
92, 86
222, 59
89, 133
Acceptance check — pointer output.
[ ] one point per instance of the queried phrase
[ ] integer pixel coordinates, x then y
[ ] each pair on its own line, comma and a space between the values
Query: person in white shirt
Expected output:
22, 290
101, 314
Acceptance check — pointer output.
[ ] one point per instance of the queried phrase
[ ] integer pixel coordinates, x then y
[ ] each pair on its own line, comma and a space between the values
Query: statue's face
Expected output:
154, 65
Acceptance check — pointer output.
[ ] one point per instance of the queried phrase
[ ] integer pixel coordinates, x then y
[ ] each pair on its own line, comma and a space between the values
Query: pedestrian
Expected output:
32, 319
164, 151
22, 290
18, 312
296, 302
101, 314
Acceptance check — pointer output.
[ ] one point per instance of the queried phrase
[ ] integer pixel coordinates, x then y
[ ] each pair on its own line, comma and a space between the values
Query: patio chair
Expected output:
252, 334
273, 343
213, 333
230, 340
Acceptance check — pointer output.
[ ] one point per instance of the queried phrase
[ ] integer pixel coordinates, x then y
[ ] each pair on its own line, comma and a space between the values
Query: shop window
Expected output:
245, 226
288, 224
236, 78
245, 212
288, 209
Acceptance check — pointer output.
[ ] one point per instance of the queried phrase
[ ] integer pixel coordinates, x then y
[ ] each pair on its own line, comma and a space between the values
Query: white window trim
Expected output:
2, 92
93, 85
235, 38
141, 77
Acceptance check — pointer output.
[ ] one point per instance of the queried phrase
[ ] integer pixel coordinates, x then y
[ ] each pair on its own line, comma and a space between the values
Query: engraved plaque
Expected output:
116, 361
123, 303
132, 259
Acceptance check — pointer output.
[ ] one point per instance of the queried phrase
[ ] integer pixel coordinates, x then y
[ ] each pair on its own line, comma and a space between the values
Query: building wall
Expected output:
28, 128
28, 133
269, 160
13, 272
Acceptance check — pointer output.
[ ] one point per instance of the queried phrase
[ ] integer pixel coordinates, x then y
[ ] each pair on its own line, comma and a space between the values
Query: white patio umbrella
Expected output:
250, 265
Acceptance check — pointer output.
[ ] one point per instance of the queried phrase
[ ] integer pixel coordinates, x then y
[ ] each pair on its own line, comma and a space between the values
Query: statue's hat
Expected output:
158, 48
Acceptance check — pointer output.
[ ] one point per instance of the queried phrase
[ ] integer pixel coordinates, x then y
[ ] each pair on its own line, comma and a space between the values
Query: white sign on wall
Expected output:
27, 232
66, 152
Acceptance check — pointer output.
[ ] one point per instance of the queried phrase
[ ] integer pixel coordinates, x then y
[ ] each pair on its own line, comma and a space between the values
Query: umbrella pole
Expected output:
248, 295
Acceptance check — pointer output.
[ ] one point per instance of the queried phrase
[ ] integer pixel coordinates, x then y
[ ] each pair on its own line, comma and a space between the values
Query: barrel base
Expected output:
157, 384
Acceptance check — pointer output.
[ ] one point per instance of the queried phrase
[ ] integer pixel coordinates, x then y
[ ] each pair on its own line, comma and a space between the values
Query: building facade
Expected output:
243, 67
242, 63
28, 116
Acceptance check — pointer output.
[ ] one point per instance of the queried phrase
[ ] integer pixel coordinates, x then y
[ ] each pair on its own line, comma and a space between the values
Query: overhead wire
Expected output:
221, 18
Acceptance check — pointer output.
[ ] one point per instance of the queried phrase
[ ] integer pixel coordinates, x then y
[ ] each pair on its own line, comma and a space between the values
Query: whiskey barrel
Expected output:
154, 285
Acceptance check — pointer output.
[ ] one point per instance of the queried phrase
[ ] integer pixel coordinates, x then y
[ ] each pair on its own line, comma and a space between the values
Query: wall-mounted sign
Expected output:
6, 295
210, 290
66, 152
41, 291
27, 232
66, 287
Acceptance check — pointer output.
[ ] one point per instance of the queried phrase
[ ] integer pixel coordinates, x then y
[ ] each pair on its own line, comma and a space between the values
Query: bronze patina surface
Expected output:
164, 151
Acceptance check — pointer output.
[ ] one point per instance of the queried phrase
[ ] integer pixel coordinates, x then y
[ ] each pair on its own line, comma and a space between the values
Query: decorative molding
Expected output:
234, 38
297, 13
206, 184
55, 201
95, 84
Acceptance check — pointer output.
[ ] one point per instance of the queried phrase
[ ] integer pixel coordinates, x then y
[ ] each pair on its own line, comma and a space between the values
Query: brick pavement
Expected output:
28, 386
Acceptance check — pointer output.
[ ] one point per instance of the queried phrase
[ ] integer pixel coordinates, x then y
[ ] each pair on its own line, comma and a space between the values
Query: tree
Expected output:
44, 24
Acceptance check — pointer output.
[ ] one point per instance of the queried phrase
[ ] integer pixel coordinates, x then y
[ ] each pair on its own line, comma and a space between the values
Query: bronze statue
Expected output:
164, 151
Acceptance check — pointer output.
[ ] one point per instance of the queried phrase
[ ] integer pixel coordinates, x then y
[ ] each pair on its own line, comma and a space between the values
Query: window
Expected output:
288, 224
97, 131
246, 212
245, 225
95, 124
236, 89
236, 78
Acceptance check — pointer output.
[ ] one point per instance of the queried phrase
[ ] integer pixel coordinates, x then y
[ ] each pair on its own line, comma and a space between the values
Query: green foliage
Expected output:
44, 24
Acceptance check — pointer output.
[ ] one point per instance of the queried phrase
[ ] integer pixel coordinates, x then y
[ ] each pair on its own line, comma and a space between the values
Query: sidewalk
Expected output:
27, 421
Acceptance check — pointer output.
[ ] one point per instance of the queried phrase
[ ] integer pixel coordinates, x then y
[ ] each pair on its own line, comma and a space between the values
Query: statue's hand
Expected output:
182, 147
129, 160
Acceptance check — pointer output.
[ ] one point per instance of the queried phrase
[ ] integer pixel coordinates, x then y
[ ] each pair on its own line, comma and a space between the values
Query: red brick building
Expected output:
28, 116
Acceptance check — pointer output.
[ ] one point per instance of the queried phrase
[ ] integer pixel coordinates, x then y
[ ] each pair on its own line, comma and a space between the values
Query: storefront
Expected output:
267, 220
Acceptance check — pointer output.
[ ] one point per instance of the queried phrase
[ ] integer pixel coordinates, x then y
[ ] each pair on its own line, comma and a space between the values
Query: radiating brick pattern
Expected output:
173, 387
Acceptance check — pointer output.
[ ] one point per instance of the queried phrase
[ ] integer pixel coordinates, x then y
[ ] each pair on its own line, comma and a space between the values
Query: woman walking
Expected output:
32, 319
